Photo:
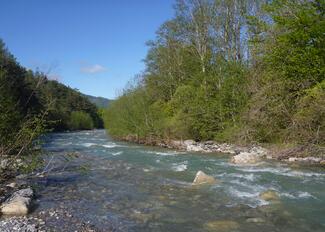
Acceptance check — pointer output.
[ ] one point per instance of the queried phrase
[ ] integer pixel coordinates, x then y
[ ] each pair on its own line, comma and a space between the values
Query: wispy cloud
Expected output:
96, 68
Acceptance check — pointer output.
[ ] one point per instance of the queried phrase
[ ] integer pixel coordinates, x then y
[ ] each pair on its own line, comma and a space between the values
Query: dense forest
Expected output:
228, 70
31, 104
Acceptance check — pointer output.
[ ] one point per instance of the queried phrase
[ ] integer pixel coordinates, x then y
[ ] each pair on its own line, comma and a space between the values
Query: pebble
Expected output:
12, 185
19, 224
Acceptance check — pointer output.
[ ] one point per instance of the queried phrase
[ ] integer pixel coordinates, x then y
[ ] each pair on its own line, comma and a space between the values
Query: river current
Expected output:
118, 186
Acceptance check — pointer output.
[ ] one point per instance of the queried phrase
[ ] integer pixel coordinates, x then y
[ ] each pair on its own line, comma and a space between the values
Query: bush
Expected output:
310, 116
80, 121
288, 104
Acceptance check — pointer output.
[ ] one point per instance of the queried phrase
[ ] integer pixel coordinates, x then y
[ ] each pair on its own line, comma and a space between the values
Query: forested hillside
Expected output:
67, 108
100, 102
31, 104
236, 71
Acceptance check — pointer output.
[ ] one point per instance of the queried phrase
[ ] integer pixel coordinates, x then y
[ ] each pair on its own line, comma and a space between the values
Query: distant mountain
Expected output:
100, 102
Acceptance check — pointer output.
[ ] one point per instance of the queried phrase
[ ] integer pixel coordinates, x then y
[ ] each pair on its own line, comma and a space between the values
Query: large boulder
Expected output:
253, 156
245, 158
202, 178
19, 203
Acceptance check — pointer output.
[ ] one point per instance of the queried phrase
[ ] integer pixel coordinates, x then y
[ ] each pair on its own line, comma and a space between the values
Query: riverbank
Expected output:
16, 201
58, 219
19, 200
246, 154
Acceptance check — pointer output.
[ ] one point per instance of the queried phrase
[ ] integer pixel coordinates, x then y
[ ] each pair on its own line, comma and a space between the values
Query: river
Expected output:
118, 186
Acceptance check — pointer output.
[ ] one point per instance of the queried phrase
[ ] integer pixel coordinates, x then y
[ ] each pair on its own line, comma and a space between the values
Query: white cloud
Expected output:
96, 68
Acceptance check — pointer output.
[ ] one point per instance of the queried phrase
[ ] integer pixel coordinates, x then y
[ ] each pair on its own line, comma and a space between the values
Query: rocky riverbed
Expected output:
92, 183
18, 201
51, 220
306, 155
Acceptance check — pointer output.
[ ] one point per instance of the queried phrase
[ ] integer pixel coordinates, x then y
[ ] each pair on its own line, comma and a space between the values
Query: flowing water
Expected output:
120, 186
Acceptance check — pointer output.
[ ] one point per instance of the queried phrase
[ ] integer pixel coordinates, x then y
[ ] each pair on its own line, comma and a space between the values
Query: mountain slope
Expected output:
100, 102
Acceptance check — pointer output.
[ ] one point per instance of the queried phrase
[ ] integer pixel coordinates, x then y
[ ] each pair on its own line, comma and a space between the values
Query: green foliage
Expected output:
30, 105
189, 89
219, 70
298, 50
20, 117
80, 120
310, 115
130, 114
293, 65
61, 101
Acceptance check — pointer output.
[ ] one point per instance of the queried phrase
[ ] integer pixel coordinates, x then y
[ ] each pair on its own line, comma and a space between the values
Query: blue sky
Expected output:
95, 46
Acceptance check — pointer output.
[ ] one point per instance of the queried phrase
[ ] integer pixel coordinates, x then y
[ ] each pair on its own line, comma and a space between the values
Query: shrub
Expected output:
80, 120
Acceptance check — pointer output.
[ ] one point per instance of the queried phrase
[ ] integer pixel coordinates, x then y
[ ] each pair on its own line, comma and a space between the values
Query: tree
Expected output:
232, 70
292, 65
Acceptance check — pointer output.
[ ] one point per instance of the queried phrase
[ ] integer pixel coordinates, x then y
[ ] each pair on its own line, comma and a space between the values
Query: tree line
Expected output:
230, 70
32, 104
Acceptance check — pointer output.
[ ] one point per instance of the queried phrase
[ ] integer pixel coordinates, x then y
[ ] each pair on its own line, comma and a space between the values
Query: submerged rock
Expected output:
269, 195
255, 220
18, 203
142, 217
221, 226
202, 178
